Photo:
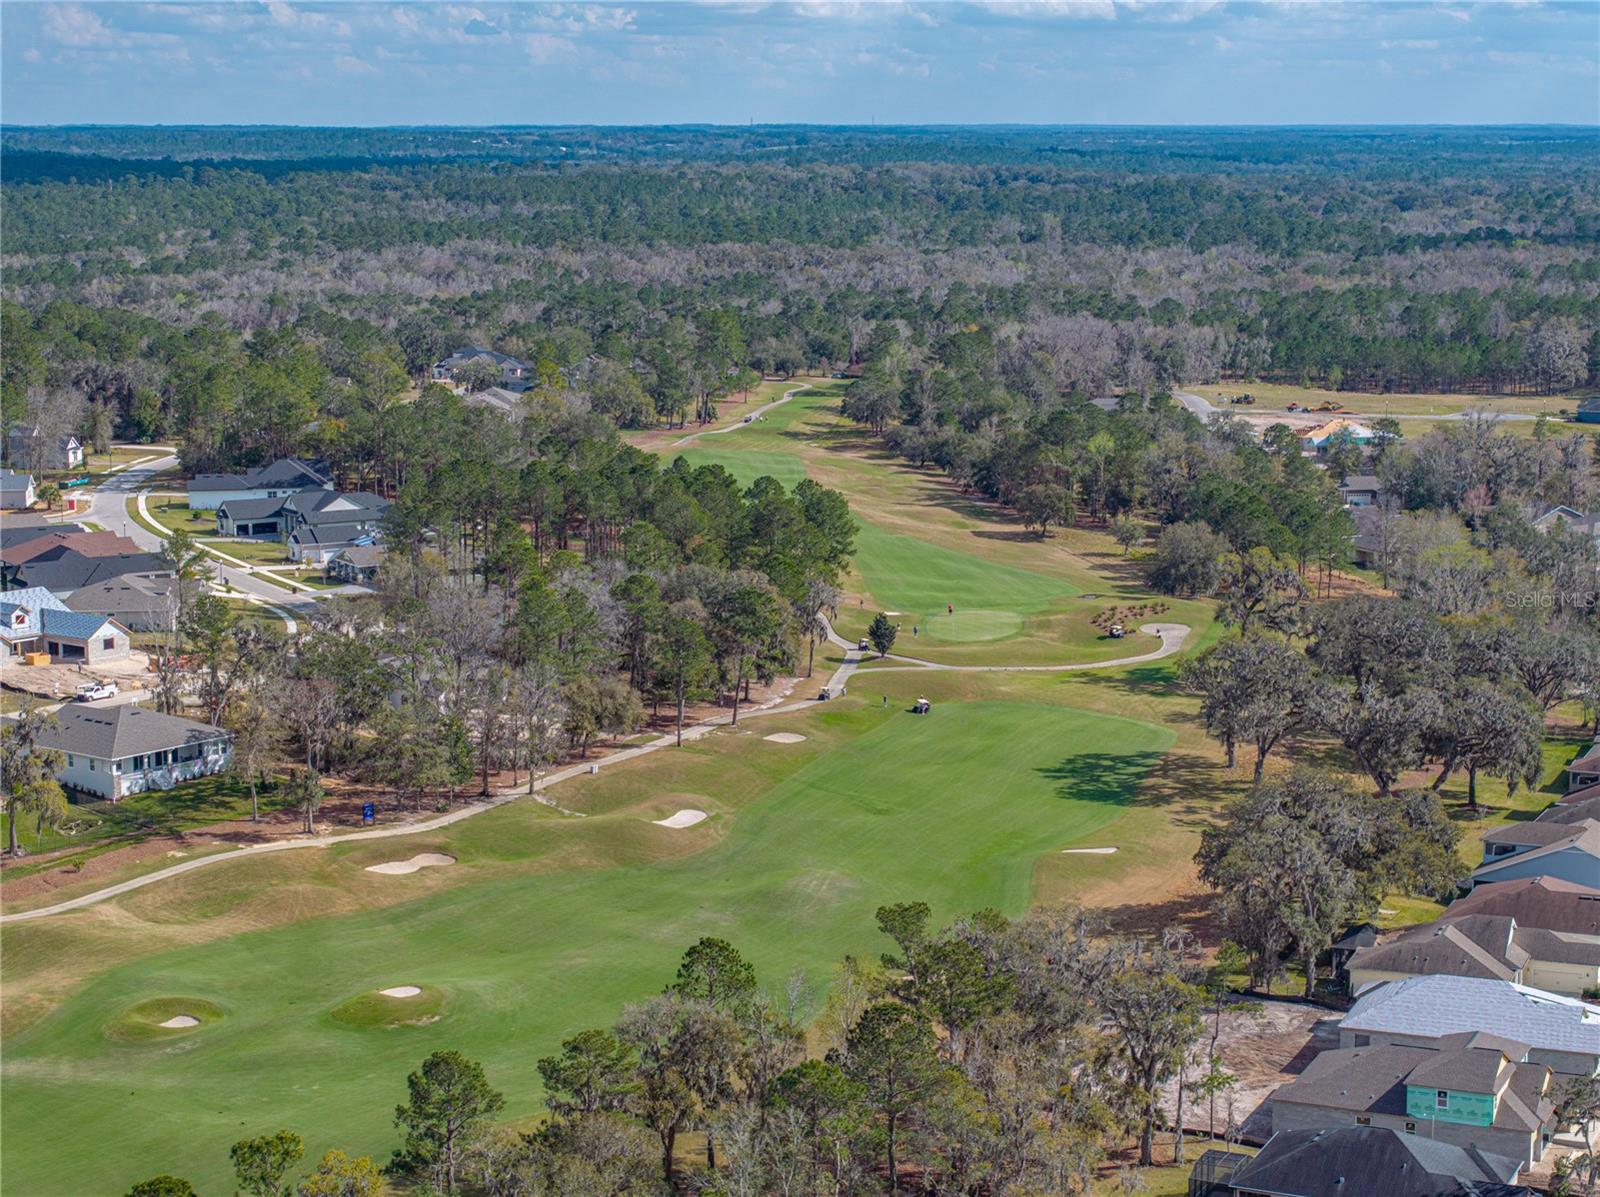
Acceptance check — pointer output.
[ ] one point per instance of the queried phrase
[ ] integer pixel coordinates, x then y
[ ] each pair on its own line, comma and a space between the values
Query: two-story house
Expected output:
1533, 849
515, 374
1474, 1090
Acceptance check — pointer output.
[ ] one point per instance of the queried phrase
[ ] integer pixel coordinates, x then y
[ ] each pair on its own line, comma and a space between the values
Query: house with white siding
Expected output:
282, 478
114, 751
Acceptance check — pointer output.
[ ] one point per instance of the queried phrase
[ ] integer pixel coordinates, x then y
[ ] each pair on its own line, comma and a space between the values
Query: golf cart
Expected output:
1117, 632
863, 644
921, 707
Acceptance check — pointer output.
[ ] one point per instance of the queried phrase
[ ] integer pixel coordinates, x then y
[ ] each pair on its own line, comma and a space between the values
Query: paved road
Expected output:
1202, 408
107, 507
748, 418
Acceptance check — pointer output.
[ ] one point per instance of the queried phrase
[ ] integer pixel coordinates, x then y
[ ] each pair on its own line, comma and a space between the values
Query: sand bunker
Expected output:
1087, 851
684, 818
401, 991
181, 1020
422, 860
785, 738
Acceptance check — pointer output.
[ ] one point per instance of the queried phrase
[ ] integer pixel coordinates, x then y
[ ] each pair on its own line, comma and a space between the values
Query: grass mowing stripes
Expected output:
954, 808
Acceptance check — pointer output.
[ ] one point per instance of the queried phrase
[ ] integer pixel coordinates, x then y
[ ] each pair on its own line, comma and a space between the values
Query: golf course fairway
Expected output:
955, 809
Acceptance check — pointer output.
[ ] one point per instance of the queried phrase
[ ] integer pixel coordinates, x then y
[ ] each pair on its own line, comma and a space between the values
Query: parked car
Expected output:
1292, 407
94, 691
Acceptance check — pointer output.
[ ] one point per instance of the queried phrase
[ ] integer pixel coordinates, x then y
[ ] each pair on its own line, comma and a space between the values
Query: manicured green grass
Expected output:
254, 552
954, 809
919, 580
375, 1011
173, 514
142, 1023
744, 464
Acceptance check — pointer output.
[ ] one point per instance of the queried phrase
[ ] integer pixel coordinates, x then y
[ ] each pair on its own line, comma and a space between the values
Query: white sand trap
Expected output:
1087, 851
422, 860
178, 1021
786, 738
401, 991
684, 818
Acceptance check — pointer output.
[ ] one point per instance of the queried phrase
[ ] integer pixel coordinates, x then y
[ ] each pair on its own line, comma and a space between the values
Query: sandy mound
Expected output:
181, 1020
785, 738
422, 860
1087, 851
401, 991
684, 818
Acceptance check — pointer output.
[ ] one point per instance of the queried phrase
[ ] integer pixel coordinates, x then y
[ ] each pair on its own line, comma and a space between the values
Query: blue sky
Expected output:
1072, 61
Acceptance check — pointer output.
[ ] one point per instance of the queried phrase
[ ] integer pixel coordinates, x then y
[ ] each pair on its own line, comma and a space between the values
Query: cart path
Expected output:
747, 418
1172, 637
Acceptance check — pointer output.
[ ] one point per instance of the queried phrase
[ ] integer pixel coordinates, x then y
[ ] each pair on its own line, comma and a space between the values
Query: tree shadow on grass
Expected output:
1180, 784
1190, 911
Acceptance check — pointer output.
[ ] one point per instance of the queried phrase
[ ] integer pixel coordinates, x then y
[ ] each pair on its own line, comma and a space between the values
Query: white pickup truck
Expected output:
94, 691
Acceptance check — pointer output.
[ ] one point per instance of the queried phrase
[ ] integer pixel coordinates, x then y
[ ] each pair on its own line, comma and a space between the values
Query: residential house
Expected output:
29, 448
1495, 946
1584, 769
1473, 1090
1546, 903
72, 571
113, 751
1371, 1161
278, 480
139, 603
1574, 797
318, 528
53, 544
357, 564
500, 400
515, 374
1319, 437
1561, 1032
21, 526
1572, 855
1558, 515
257, 518
1581, 810
16, 490
1589, 410
1355, 937
33, 620
1371, 539
1361, 490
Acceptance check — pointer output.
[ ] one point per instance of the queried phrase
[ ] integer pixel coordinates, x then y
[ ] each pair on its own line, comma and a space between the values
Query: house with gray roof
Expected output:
33, 620
1361, 490
1573, 856
20, 527
501, 400
357, 564
1474, 1090
1583, 770
113, 751
1371, 1161
30, 448
71, 571
16, 490
515, 374
278, 480
137, 602
1561, 1032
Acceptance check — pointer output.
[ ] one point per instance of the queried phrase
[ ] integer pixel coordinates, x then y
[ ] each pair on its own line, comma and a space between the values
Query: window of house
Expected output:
70, 762
109, 642
1411, 1128
91, 765
1363, 1040
1441, 1098
1363, 1120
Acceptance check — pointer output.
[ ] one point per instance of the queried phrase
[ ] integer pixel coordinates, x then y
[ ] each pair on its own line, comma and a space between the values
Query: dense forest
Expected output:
148, 265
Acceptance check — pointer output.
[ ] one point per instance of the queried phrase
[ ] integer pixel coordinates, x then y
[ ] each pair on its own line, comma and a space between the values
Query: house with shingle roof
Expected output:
1494, 946
16, 490
1372, 1161
1584, 769
278, 480
139, 603
33, 620
72, 570
515, 374
1573, 855
114, 751
1546, 903
1474, 1090
31, 448
1562, 1032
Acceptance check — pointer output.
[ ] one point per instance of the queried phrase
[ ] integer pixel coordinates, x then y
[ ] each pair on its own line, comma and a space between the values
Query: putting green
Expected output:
921, 580
954, 809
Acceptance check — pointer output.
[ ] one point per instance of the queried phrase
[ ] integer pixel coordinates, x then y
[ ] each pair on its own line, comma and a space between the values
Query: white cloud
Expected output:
74, 25
348, 64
